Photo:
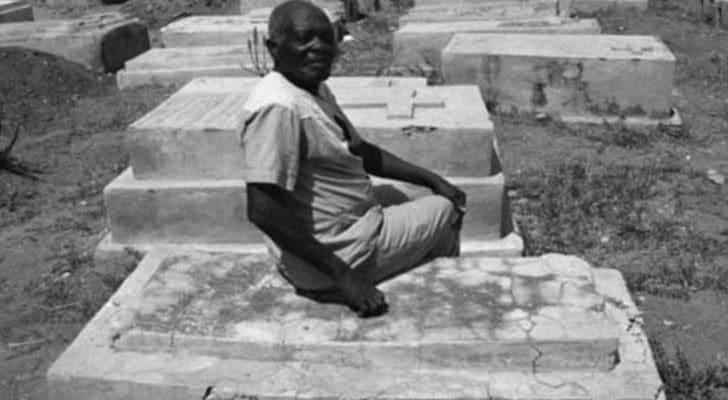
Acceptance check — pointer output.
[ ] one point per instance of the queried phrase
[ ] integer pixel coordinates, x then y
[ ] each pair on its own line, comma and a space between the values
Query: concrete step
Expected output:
495, 10
420, 42
567, 75
195, 133
102, 42
15, 11
415, 351
215, 212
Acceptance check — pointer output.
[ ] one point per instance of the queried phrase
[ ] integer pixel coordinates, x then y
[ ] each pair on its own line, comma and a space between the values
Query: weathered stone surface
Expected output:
94, 366
263, 7
15, 11
195, 133
99, 41
416, 43
599, 75
495, 10
215, 211
588, 7
454, 313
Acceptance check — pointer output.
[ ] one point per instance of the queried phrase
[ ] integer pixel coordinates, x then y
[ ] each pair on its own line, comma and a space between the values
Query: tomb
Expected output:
590, 7
332, 7
185, 184
15, 11
416, 43
567, 75
102, 42
496, 10
197, 325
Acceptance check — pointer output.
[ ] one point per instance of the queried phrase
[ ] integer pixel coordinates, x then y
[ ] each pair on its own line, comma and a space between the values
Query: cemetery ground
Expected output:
649, 202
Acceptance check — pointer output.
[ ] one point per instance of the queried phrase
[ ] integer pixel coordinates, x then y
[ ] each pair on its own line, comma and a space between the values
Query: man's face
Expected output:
307, 53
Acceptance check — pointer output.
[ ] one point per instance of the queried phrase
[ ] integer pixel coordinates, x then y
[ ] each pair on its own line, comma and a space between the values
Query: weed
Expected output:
682, 381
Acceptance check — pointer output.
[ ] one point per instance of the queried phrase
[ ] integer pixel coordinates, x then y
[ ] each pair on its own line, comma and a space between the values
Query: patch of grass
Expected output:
620, 216
684, 382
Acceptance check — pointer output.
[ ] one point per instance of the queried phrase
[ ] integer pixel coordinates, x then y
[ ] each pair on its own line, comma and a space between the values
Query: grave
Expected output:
15, 11
333, 7
496, 10
213, 30
416, 43
195, 325
185, 185
567, 75
102, 42
590, 7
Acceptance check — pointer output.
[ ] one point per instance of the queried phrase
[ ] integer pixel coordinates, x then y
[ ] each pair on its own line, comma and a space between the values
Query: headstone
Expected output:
416, 43
599, 75
496, 10
196, 325
195, 133
15, 11
164, 211
101, 42
589, 7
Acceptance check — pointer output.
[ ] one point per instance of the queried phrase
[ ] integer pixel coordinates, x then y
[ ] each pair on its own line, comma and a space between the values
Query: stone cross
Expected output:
638, 51
399, 103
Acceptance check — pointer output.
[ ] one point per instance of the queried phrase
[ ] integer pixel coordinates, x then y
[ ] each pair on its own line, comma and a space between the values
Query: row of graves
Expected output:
205, 315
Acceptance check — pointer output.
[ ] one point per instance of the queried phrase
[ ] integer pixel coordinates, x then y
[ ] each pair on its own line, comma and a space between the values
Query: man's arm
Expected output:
267, 210
382, 163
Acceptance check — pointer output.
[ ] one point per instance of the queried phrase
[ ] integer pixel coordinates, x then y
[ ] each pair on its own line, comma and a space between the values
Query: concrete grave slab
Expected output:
567, 75
495, 10
213, 30
334, 8
178, 66
102, 42
590, 7
15, 11
416, 43
195, 134
215, 211
456, 329
175, 66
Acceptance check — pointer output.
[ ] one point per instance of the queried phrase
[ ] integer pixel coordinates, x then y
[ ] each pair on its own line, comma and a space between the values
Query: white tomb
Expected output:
567, 75
15, 11
495, 10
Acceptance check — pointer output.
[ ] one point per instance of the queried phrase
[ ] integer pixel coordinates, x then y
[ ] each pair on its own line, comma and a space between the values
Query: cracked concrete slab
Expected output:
385, 358
15, 11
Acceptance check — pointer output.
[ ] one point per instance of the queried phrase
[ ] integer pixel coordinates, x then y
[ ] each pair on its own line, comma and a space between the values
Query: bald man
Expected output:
308, 183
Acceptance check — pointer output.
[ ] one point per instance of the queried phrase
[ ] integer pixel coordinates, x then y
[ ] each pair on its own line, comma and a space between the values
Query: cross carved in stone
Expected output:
639, 50
399, 103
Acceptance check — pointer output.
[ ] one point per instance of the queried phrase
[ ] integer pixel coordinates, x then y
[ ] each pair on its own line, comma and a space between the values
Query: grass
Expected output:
685, 382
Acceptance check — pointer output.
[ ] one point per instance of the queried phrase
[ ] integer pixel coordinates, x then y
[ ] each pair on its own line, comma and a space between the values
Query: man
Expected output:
308, 182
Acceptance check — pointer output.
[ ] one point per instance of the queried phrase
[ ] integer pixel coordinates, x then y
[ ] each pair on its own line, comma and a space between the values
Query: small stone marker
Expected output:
196, 323
102, 42
416, 43
566, 75
15, 11
496, 10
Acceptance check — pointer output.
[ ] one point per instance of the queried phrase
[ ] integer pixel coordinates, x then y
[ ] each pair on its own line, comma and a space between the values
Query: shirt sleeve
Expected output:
271, 140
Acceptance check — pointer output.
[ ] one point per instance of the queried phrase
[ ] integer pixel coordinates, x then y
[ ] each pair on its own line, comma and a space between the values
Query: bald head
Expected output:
302, 43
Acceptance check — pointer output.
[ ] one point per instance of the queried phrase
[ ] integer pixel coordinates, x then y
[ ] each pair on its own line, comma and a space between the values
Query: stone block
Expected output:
451, 333
215, 211
590, 7
102, 42
213, 30
262, 8
15, 11
195, 133
496, 10
567, 75
416, 43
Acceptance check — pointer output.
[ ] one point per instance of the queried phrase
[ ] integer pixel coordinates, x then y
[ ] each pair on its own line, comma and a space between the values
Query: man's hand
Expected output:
362, 297
449, 191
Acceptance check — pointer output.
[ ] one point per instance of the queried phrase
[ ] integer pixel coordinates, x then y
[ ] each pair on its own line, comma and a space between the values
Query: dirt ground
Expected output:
641, 201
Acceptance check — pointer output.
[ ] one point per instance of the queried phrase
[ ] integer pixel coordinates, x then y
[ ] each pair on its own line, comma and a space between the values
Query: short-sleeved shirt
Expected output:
294, 139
